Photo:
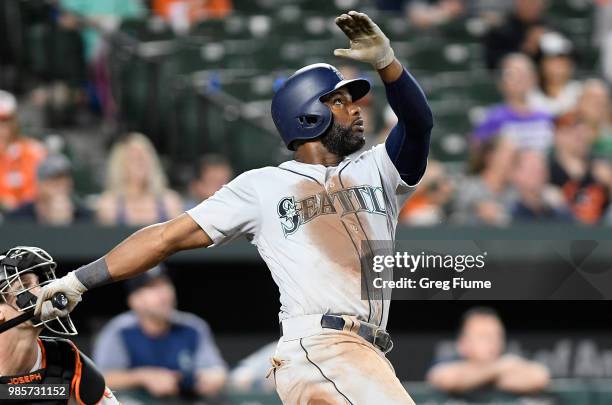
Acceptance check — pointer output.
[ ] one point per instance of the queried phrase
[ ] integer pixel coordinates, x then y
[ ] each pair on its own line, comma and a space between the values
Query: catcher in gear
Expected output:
27, 358
312, 219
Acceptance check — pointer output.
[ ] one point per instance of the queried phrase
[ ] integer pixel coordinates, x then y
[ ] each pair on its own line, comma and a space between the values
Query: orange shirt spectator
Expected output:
574, 172
197, 9
19, 157
426, 207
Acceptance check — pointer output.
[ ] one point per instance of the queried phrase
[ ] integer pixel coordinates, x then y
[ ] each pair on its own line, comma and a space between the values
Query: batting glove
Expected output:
70, 286
368, 43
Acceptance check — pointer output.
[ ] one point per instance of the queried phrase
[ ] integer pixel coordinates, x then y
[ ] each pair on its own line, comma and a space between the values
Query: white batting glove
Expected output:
72, 289
368, 43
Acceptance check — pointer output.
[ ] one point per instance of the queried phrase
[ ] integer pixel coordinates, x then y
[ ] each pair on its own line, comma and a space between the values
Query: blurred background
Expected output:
115, 114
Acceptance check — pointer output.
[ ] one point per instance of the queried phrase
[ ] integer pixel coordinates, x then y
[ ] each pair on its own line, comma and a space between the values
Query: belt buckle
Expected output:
383, 341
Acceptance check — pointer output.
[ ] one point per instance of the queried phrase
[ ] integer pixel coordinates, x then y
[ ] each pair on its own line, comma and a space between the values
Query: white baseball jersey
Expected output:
308, 222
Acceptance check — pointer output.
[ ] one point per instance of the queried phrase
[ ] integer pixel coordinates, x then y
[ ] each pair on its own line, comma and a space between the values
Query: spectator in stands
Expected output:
557, 92
19, 157
519, 32
572, 170
156, 348
136, 191
537, 201
183, 14
94, 18
602, 35
426, 14
427, 206
481, 362
55, 203
595, 109
253, 373
490, 12
515, 119
213, 172
485, 197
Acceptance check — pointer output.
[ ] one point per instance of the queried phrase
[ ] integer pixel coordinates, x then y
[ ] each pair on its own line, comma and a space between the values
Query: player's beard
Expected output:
341, 140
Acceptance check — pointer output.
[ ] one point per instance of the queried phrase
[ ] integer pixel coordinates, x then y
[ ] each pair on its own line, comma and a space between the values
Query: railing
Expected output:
78, 243
561, 392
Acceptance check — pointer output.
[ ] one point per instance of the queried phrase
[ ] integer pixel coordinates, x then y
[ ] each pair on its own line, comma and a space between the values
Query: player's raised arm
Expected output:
408, 142
141, 251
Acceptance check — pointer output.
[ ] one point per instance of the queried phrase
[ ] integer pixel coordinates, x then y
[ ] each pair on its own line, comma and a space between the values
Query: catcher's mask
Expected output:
24, 270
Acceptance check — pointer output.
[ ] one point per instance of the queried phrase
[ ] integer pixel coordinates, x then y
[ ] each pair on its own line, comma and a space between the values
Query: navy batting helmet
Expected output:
297, 109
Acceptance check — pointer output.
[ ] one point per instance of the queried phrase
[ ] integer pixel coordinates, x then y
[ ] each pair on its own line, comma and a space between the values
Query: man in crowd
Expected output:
481, 362
519, 32
156, 348
537, 200
55, 204
212, 173
576, 173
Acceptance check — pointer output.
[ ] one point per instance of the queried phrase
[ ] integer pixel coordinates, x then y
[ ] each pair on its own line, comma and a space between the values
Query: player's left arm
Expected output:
408, 142
141, 251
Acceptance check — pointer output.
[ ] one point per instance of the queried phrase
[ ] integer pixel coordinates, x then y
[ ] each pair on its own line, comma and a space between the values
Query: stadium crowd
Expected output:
542, 153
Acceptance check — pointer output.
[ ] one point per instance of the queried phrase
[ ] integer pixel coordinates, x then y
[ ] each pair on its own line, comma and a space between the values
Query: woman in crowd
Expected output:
485, 197
557, 92
514, 118
136, 191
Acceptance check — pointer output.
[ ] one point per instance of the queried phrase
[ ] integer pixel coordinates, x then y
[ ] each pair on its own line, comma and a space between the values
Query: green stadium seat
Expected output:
571, 8
398, 29
152, 29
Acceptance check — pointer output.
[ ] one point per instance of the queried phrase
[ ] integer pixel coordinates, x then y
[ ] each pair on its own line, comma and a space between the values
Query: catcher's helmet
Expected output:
18, 290
297, 110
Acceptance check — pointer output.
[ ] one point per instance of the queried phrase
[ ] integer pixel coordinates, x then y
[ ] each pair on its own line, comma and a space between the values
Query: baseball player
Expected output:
26, 358
311, 219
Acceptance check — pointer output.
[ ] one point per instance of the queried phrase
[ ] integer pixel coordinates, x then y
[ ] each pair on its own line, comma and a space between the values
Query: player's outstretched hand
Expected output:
368, 43
72, 289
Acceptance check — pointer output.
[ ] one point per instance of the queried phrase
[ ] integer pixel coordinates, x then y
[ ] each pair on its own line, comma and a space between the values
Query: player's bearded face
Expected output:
341, 140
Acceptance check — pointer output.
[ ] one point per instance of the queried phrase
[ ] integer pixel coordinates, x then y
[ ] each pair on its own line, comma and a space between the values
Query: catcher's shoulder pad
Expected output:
87, 381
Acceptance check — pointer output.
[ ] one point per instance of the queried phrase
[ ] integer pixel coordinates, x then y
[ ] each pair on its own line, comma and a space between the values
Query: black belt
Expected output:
371, 333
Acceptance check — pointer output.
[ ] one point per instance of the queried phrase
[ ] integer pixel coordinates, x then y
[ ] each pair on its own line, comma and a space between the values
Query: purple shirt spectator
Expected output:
528, 130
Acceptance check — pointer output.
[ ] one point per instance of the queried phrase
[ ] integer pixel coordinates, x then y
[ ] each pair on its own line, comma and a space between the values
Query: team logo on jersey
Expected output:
294, 214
